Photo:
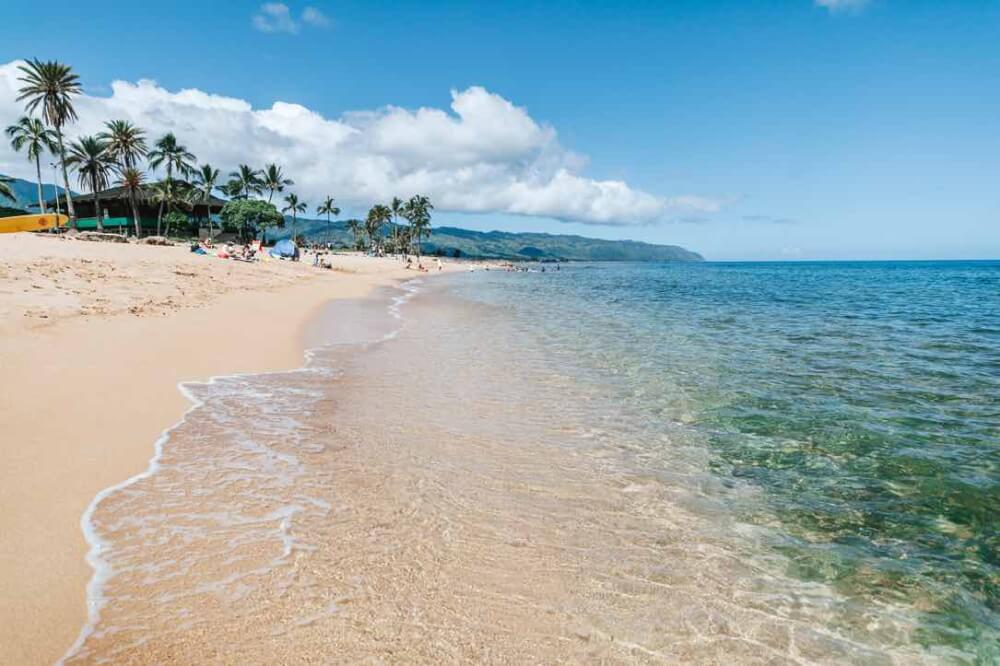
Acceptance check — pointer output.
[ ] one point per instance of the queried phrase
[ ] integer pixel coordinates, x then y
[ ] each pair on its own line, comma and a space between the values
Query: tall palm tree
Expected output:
205, 180
249, 180
327, 208
293, 204
170, 194
169, 153
273, 180
354, 226
396, 206
31, 135
51, 86
418, 213
378, 216
126, 142
133, 181
5, 190
89, 156
175, 157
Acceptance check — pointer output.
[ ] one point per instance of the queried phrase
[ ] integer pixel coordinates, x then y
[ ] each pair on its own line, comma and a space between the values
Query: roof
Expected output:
119, 193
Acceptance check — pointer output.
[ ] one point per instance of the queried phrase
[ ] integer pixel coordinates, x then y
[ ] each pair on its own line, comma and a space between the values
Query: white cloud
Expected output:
842, 5
483, 155
315, 17
275, 17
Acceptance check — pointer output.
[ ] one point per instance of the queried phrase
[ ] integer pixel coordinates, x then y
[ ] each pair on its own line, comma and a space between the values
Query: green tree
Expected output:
232, 189
167, 152
126, 143
418, 213
355, 226
31, 135
89, 156
176, 158
51, 86
205, 179
244, 214
328, 208
293, 205
273, 180
133, 181
170, 194
249, 180
378, 216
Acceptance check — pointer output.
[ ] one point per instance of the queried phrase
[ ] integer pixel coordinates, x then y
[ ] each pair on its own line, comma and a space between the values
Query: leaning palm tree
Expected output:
132, 181
249, 180
273, 180
89, 156
126, 142
5, 189
31, 135
51, 86
293, 205
418, 214
205, 180
327, 208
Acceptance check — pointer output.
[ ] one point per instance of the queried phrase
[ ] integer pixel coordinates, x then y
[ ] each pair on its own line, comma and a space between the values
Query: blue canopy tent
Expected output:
285, 249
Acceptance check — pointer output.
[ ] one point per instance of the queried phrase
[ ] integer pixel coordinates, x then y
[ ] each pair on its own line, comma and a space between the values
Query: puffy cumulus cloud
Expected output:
842, 5
483, 155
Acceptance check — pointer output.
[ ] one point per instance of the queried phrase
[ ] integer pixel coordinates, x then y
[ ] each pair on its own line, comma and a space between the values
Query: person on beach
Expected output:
438, 260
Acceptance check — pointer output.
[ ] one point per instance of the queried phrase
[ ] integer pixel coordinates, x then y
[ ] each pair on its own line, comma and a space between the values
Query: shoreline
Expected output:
85, 396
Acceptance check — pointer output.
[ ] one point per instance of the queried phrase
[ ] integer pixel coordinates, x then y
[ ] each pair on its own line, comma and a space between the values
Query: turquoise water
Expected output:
862, 401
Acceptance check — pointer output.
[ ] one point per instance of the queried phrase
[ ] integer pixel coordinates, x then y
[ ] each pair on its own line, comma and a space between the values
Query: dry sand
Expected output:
96, 337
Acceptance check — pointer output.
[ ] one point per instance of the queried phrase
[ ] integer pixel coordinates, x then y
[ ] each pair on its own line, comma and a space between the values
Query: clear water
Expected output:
862, 401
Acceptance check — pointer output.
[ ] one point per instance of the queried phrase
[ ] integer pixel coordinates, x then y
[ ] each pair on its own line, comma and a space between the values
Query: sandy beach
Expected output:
96, 338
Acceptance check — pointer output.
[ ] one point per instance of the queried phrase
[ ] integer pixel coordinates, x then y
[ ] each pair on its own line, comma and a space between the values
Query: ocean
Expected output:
625, 463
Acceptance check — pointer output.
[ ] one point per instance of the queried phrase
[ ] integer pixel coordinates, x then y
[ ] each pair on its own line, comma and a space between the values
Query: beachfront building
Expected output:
118, 212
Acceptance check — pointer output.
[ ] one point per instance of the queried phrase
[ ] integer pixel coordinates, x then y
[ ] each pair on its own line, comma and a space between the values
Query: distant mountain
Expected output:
507, 245
26, 194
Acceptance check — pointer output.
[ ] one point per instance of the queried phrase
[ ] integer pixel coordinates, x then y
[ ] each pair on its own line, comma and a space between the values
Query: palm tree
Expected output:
5, 190
418, 213
249, 180
205, 179
295, 206
51, 85
126, 142
169, 194
378, 216
354, 226
273, 180
32, 135
232, 189
396, 206
167, 152
93, 164
133, 180
327, 208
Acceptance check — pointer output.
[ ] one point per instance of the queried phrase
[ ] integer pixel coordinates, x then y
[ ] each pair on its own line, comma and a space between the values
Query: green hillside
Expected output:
506, 245
26, 194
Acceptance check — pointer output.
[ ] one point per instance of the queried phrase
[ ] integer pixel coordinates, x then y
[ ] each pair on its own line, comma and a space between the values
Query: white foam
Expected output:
103, 570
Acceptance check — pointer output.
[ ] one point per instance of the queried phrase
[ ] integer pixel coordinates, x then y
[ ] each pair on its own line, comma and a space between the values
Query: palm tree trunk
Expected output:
97, 204
62, 162
159, 219
208, 218
41, 200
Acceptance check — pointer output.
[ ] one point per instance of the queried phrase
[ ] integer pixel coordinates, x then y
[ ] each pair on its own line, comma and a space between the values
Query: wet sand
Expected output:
96, 338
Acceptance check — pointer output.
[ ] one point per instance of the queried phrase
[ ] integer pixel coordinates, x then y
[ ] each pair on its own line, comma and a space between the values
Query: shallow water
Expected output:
711, 464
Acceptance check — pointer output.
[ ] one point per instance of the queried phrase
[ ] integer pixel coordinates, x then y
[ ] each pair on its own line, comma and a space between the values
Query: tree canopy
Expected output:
245, 214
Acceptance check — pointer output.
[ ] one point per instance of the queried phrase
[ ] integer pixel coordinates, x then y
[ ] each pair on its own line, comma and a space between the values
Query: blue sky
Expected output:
867, 131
